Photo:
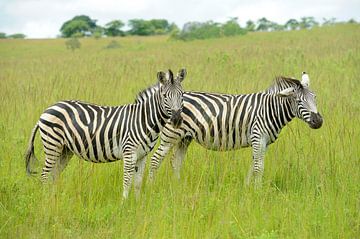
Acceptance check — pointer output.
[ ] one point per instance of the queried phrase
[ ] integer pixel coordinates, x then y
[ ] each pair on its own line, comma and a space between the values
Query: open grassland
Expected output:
312, 177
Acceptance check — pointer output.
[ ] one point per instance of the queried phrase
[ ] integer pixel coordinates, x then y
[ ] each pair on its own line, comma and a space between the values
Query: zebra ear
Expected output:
305, 80
286, 92
161, 77
171, 76
182, 74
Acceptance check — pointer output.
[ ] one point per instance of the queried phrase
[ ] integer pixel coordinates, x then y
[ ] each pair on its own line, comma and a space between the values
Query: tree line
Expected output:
83, 25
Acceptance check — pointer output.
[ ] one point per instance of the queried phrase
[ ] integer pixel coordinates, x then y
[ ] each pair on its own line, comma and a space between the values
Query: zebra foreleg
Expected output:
129, 168
139, 174
179, 154
257, 168
158, 157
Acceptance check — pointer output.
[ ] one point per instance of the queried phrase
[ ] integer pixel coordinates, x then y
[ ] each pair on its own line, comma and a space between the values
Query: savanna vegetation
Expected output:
311, 180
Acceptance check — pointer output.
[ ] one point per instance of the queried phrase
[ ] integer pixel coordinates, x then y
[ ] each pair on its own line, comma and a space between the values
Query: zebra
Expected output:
223, 122
102, 134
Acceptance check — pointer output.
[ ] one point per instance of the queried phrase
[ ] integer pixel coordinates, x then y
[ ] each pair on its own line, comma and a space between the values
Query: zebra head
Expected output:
171, 94
304, 101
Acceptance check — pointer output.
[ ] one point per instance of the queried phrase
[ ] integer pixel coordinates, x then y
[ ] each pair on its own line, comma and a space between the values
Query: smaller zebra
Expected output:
224, 122
102, 134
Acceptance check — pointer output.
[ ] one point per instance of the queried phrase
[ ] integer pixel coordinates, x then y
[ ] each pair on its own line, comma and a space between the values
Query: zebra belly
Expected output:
225, 142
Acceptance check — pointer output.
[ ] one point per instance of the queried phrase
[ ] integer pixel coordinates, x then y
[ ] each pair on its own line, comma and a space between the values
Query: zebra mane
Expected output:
282, 83
146, 93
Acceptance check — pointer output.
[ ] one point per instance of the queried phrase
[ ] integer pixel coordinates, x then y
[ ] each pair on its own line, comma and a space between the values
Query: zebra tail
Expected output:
30, 155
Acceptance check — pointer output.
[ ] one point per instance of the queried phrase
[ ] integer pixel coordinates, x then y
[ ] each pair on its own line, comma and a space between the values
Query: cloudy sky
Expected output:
43, 18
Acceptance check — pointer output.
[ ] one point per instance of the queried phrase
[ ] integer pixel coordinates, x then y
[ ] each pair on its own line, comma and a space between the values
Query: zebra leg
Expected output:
179, 154
158, 157
139, 174
257, 168
61, 164
52, 157
129, 167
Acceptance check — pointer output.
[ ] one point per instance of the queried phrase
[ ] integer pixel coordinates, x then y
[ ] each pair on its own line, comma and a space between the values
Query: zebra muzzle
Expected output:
316, 120
176, 118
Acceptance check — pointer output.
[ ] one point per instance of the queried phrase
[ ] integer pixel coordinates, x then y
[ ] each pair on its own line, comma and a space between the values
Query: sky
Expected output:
43, 18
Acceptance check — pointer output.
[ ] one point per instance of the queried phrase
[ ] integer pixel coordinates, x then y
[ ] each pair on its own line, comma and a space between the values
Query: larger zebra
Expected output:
105, 134
224, 122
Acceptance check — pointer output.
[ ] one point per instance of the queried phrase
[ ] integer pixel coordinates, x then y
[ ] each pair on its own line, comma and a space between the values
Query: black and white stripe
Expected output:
103, 134
224, 122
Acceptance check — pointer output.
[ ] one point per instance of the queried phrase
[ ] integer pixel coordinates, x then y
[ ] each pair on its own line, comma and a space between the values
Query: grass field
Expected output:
312, 177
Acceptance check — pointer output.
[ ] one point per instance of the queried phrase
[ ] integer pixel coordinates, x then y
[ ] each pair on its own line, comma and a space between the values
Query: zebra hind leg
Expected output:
60, 165
179, 154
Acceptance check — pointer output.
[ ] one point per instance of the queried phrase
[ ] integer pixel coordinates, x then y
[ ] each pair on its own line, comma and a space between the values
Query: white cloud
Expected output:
43, 18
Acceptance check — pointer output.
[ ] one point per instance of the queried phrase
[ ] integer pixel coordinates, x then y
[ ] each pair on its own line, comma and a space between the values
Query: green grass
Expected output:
311, 180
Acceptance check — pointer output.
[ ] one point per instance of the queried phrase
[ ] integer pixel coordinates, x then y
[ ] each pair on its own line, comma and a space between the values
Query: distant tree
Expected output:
161, 26
141, 27
292, 24
113, 28
250, 26
352, 21
232, 28
98, 32
73, 43
328, 22
17, 36
273, 26
308, 23
263, 24
81, 25
2, 35
150, 27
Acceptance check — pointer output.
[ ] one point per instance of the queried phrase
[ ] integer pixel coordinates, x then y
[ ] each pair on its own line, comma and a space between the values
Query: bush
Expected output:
73, 44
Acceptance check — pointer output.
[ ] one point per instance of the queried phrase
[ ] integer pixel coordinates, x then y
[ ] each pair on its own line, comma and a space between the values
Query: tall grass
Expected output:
311, 181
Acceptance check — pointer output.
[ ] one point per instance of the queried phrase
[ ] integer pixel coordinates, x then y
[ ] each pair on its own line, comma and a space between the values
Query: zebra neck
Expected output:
153, 110
282, 110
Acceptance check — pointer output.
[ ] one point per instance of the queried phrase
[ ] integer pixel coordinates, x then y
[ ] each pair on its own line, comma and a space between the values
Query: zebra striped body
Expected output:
225, 122
102, 134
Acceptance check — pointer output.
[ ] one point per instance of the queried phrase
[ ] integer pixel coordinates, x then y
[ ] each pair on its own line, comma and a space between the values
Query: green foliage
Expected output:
292, 24
150, 27
73, 44
250, 26
80, 25
2, 35
311, 180
232, 28
98, 32
113, 28
209, 29
17, 36
308, 23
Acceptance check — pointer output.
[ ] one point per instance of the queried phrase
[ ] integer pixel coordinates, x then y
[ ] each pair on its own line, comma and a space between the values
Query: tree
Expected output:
232, 28
141, 27
113, 28
2, 35
308, 23
292, 24
17, 36
328, 22
151, 27
263, 24
250, 26
81, 25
